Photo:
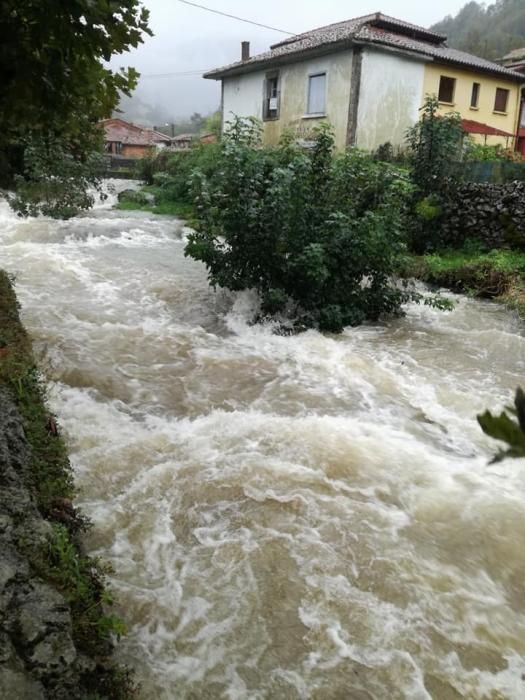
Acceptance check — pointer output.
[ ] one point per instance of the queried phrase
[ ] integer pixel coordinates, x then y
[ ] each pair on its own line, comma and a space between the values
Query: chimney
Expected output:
245, 51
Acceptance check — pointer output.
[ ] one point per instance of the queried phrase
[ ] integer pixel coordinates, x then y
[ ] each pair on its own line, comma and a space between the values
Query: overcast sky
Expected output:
189, 39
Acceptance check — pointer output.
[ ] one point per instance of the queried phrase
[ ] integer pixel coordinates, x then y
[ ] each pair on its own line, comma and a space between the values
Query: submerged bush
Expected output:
317, 236
56, 181
510, 431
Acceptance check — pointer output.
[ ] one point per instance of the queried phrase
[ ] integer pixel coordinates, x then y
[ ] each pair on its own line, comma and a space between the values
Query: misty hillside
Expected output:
489, 31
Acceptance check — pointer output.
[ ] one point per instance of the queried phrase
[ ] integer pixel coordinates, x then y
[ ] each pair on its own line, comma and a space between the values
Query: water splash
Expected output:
287, 517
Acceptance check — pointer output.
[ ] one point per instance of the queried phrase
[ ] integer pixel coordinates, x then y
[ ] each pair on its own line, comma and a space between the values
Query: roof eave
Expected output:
510, 75
254, 65
501, 73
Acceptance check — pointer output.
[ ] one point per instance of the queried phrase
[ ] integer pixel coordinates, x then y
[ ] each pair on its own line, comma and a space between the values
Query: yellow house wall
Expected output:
485, 113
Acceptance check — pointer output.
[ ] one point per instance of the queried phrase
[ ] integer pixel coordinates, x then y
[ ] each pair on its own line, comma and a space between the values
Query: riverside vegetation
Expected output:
65, 652
57, 628
286, 221
318, 236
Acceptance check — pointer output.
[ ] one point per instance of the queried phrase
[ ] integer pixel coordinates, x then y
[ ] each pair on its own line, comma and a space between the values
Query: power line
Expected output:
176, 74
239, 19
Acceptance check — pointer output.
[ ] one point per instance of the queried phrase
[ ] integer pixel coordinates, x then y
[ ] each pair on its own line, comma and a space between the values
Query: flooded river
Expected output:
309, 517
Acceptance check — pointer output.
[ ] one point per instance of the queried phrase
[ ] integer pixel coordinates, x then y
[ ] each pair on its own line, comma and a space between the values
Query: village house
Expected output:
369, 77
121, 138
515, 60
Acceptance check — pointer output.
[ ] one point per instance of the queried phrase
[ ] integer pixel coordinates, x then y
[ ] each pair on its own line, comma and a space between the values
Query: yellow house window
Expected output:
447, 88
502, 99
474, 99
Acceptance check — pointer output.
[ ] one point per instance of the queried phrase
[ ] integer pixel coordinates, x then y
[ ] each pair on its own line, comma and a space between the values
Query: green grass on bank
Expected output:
179, 209
498, 274
62, 562
161, 206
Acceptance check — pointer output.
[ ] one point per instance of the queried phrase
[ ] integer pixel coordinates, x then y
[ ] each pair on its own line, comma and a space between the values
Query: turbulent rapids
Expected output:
306, 517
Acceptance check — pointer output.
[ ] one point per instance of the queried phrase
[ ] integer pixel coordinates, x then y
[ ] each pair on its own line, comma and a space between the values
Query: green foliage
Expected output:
506, 429
498, 274
434, 141
428, 208
172, 173
81, 579
164, 208
55, 77
317, 236
385, 152
56, 183
55, 87
490, 31
481, 152
63, 562
145, 169
213, 124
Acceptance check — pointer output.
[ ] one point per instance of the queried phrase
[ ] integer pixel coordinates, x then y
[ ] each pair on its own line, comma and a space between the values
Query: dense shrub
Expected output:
482, 152
507, 429
56, 182
317, 236
172, 172
435, 141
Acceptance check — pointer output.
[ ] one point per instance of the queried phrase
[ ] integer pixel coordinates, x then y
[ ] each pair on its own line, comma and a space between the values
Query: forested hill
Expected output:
489, 31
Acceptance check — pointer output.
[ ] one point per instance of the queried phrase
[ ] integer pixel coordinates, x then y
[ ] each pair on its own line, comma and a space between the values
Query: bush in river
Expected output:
509, 430
317, 236
56, 182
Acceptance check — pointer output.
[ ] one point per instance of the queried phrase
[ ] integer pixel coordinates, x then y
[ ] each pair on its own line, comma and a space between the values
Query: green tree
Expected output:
55, 183
434, 142
213, 124
54, 81
197, 122
317, 236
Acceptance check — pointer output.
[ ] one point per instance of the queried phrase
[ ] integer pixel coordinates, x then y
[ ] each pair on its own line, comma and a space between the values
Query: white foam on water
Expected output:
288, 517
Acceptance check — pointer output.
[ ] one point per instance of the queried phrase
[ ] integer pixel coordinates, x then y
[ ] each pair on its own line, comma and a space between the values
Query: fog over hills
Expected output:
188, 41
490, 31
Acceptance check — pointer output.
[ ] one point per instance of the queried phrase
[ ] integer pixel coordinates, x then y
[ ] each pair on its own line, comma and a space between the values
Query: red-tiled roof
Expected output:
124, 132
472, 127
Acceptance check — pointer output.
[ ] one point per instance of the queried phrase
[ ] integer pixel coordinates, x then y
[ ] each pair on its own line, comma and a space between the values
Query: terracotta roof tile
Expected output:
472, 127
124, 132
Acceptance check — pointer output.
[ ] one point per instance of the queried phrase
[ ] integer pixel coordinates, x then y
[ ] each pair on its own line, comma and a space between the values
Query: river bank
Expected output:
307, 516
55, 631
498, 274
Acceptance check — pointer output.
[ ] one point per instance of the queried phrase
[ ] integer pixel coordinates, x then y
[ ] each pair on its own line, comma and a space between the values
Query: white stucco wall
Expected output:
390, 98
243, 96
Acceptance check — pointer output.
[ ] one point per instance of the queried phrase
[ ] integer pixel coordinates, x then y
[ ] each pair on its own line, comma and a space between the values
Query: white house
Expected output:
368, 77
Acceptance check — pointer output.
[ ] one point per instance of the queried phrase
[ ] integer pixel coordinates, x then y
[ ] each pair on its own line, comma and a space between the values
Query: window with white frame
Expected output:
316, 94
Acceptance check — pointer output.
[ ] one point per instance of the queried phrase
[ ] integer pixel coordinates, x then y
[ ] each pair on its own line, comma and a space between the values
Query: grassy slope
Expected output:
182, 210
499, 274
78, 577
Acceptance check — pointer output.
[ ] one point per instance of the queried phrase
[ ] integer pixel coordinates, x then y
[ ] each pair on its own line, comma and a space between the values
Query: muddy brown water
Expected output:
308, 517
